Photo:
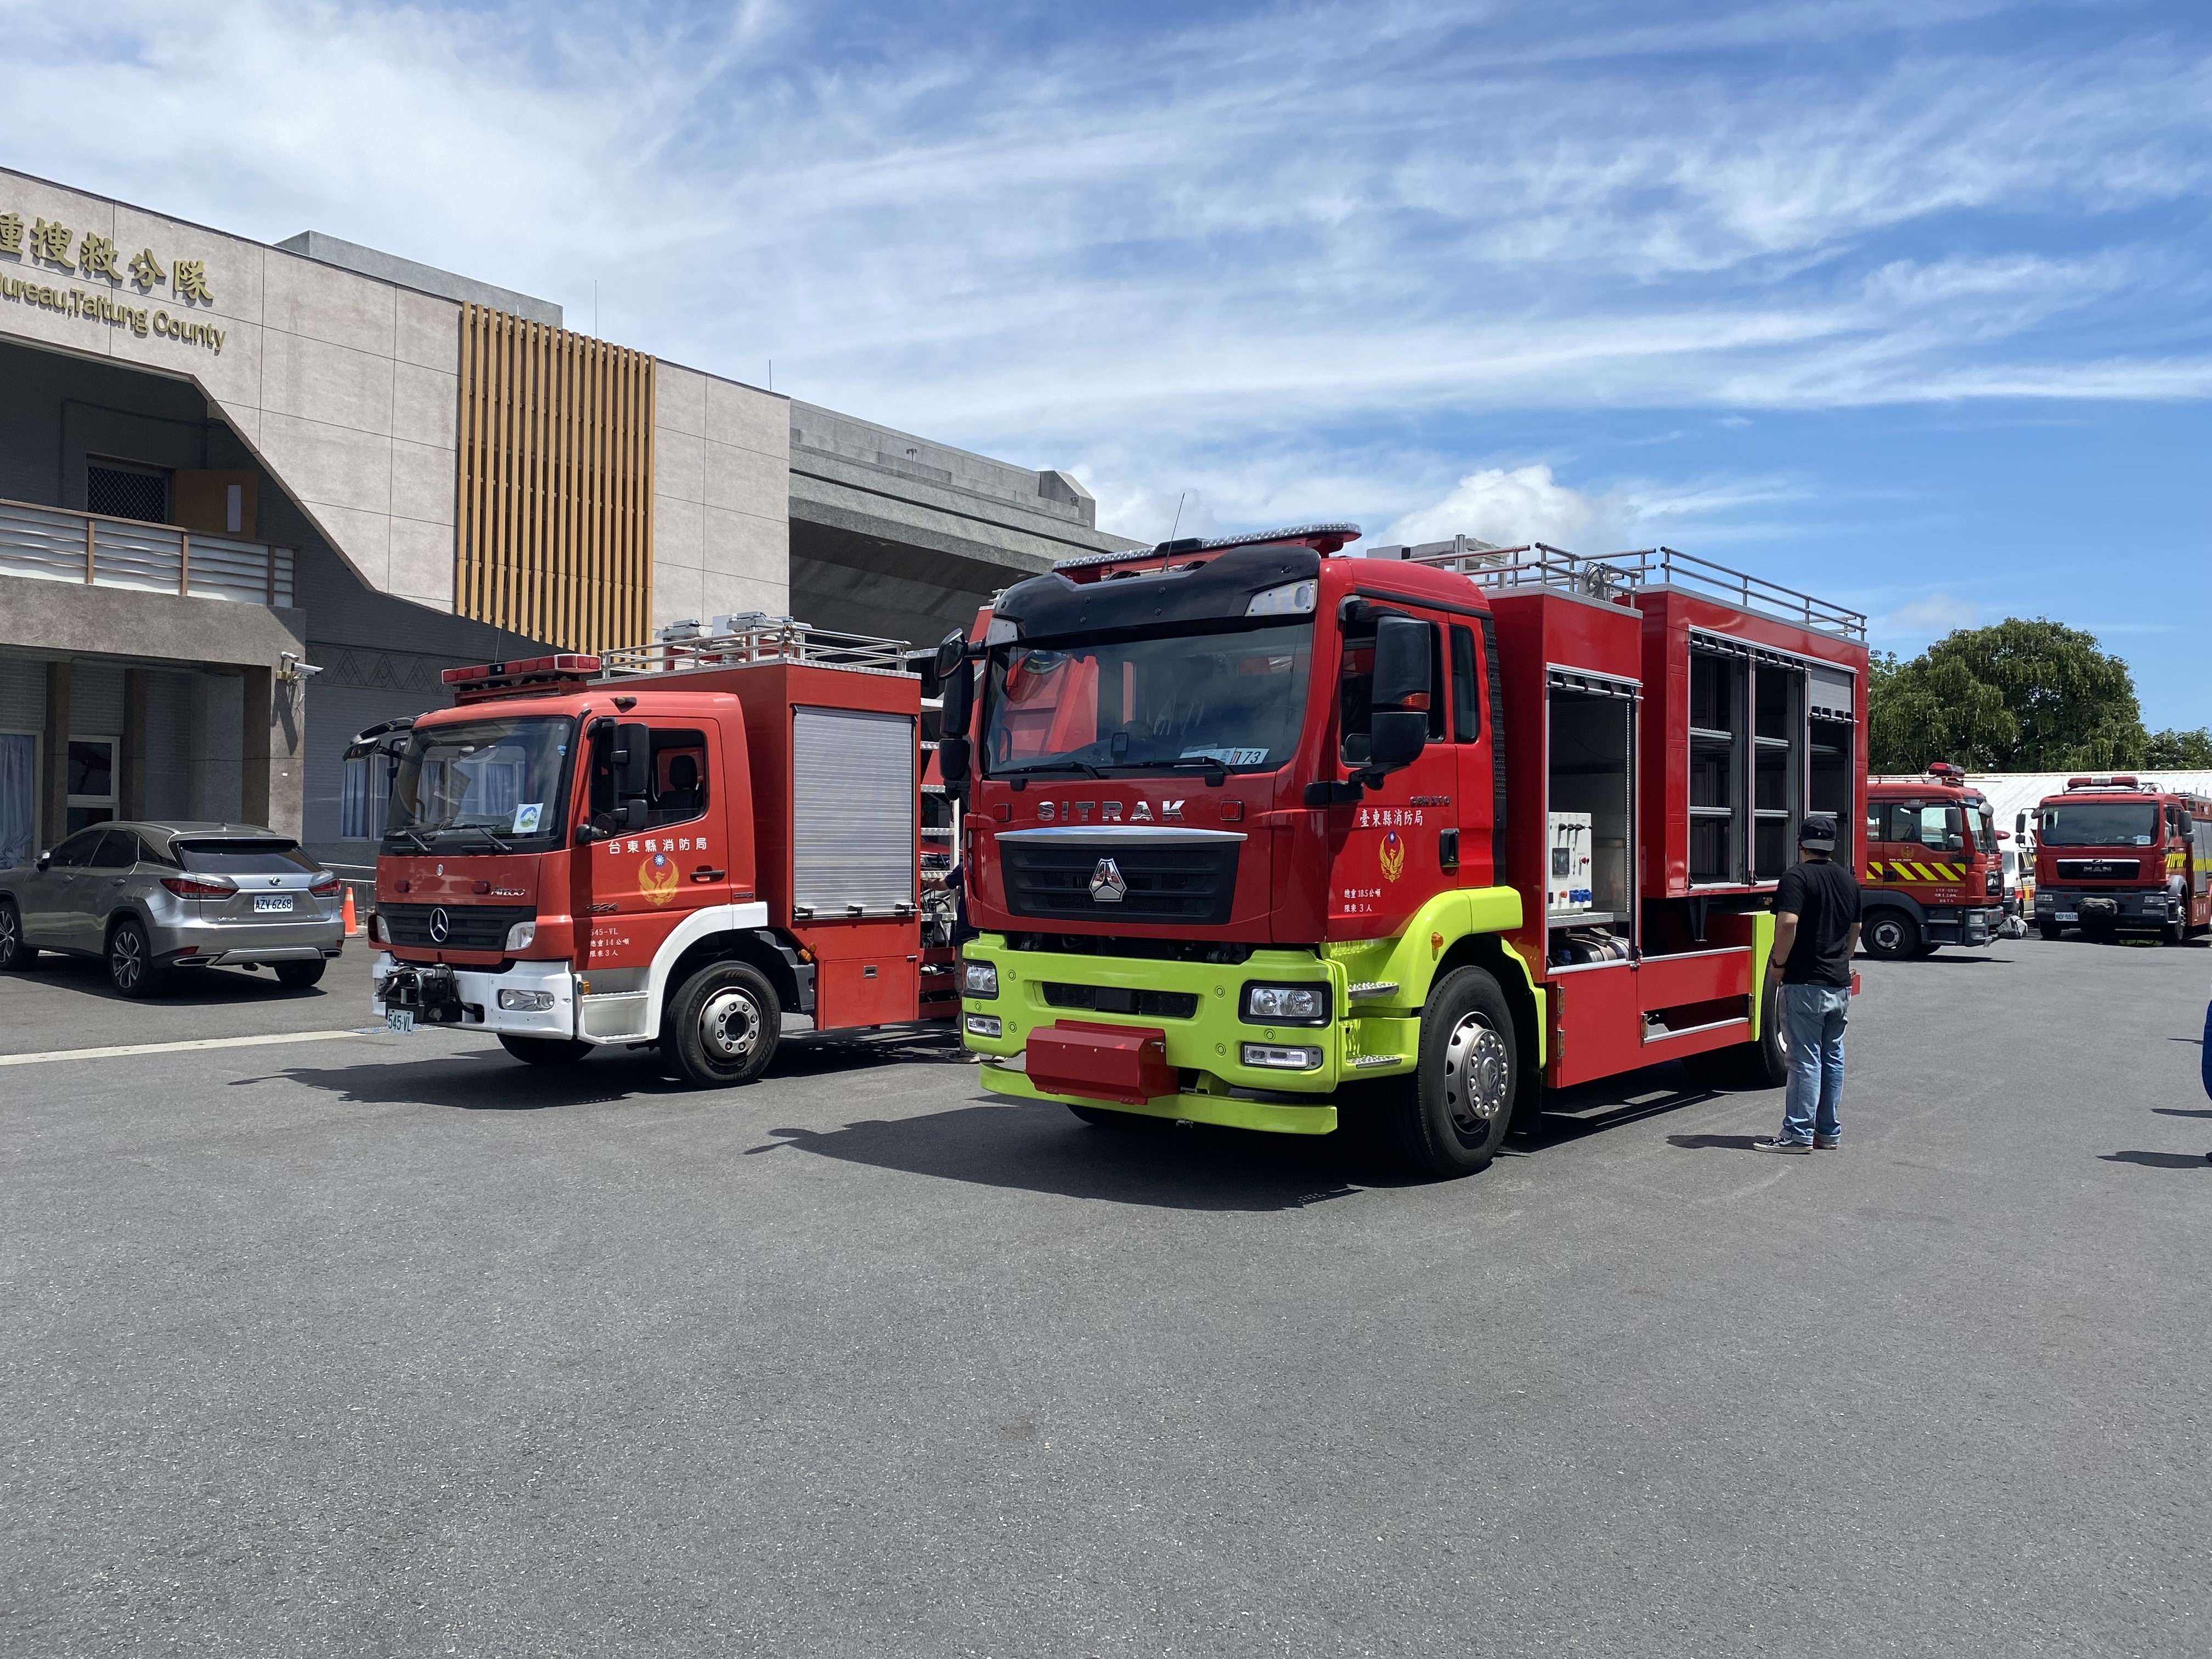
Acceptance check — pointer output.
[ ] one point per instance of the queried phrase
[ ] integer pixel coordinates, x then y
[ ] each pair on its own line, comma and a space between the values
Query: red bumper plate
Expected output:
1125, 1064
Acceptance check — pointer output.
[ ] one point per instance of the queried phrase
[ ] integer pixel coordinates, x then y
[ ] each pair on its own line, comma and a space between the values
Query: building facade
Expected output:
254, 497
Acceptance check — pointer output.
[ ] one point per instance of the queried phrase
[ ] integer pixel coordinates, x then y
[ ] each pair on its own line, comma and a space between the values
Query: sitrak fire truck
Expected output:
1934, 872
1262, 834
2117, 854
695, 845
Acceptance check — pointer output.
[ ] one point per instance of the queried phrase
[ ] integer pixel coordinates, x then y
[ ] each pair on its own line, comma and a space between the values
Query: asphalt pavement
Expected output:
372, 1344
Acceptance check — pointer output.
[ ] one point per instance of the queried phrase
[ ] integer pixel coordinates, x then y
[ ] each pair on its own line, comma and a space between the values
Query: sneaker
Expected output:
1777, 1143
1827, 1142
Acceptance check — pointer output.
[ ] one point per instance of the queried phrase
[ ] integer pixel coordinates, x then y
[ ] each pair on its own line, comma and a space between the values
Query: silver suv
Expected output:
153, 897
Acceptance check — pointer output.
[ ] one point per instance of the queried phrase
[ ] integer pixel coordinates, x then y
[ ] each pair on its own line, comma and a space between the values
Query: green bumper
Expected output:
1206, 1046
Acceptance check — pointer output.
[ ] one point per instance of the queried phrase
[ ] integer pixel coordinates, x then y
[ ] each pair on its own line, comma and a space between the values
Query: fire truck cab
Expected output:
2117, 854
1933, 874
1265, 835
692, 845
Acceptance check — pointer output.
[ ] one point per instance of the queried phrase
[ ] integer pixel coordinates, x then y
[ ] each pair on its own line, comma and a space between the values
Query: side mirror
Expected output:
1403, 647
632, 761
1396, 737
45, 859
952, 757
952, 650
958, 689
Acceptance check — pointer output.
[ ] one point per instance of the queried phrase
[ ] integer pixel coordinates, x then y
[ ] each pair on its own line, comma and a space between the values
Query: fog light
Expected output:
527, 1001
1278, 1058
519, 936
985, 1025
979, 979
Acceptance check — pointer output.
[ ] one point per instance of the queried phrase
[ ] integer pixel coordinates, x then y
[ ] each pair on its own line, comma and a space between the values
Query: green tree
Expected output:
2019, 696
2190, 752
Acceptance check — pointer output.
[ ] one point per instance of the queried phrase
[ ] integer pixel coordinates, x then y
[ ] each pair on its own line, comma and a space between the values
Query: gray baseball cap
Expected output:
1817, 833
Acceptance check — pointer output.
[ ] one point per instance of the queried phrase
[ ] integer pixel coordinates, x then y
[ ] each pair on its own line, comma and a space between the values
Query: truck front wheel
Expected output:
2050, 930
722, 1025
1892, 936
1451, 1117
545, 1051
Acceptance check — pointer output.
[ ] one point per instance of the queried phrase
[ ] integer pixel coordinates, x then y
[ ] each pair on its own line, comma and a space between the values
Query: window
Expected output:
117, 850
2099, 824
1467, 702
125, 489
91, 780
1940, 829
253, 857
364, 789
491, 780
76, 852
1356, 692
678, 776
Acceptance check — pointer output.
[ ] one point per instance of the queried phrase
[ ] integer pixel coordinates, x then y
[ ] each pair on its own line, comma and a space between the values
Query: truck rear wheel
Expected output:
1892, 936
2050, 930
1764, 1064
545, 1051
1451, 1117
722, 1025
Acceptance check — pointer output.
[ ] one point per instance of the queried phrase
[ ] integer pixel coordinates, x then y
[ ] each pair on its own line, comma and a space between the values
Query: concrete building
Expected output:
221, 459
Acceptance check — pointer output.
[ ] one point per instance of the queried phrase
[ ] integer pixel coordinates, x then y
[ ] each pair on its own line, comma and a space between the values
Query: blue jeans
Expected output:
1814, 1015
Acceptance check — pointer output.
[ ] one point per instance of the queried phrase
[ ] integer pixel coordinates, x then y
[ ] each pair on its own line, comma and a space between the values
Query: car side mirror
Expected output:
45, 859
953, 754
1396, 737
1398, 729
632, 761
958, 689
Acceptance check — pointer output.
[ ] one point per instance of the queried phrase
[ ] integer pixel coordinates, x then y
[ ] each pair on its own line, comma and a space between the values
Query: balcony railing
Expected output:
52, 545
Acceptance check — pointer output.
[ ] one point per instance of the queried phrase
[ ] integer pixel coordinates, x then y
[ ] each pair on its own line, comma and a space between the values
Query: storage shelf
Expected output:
1712, 812
1773, 743
1706, 734
1583, 918
1771, 812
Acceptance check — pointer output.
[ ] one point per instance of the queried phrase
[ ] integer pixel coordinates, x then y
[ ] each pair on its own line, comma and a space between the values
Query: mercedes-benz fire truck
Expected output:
692, 845
1934, 872
1265, 836
2117, 854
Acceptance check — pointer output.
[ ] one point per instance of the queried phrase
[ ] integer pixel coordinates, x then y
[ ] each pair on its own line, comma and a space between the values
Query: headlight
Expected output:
1278, 1058
1286, 1004
986, 1025
519, 936
527, 1001
2044, 901
980, 979
1291, 599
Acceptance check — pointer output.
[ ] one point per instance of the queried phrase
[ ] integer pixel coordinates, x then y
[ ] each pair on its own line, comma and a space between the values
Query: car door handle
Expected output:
702, 873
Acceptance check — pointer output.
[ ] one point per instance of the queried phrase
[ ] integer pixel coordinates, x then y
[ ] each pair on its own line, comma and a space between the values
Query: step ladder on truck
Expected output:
1263, 834
699, 844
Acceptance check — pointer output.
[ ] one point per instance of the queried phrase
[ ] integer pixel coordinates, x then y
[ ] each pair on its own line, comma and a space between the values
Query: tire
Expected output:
545, 1051
2172, 934
1891, 936
1764, 1064
132, 969
1451, 1116
299, 976
15, 955
722, 1025
2051, 930
1105, 1117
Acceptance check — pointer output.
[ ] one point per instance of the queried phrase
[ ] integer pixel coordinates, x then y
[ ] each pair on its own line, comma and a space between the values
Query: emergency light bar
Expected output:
2105, 780
498, 677
1321, 537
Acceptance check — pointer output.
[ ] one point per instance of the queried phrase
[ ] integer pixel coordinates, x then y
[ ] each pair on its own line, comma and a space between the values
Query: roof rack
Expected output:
752, 639
1535, 564
1321, 537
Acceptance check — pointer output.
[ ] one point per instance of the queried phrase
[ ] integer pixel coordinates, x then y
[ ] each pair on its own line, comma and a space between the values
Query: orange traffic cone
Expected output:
352, 923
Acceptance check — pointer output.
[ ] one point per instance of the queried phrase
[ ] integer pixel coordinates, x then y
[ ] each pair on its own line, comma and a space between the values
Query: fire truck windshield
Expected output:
1234, 701
482, 785
2099, 824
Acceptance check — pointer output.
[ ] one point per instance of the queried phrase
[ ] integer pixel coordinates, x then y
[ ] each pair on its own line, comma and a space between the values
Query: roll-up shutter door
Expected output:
22, 695
95, 700
852, 807
1828, 694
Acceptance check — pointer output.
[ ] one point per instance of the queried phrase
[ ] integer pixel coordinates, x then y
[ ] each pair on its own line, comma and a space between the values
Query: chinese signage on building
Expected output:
111, 284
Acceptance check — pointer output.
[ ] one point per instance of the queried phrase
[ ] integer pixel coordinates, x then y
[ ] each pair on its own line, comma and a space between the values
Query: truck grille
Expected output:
468, 926
1193, 882
1118, 999
2099, 869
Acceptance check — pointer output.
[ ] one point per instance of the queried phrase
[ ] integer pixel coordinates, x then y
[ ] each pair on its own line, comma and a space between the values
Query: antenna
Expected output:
771, 375
1177, 524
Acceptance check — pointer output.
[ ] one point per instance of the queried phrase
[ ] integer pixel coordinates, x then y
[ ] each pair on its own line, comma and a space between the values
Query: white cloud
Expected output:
1144, 514
1525, 504
1927, 617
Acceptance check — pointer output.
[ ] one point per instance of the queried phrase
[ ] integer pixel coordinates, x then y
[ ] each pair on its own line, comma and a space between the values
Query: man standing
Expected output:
1816, 928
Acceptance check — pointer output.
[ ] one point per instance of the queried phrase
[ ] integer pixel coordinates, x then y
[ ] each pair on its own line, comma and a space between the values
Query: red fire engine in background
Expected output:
1260, 835
2117, 854
1933, 872
694, 845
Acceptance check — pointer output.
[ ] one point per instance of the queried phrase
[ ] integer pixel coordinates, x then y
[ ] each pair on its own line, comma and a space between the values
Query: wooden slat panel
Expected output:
556, 538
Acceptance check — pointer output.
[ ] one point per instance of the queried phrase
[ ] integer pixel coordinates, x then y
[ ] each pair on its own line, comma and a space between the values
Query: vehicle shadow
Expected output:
481, 1081
2180, 1111
1612, 1103
1033, 1147
185, 988
2156, 1160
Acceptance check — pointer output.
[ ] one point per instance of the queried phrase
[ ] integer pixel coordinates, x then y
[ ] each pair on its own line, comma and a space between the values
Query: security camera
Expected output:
290, 667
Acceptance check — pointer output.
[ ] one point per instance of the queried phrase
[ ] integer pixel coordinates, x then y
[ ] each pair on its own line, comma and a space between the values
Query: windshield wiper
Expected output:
1084, 767
483, 829
420, 845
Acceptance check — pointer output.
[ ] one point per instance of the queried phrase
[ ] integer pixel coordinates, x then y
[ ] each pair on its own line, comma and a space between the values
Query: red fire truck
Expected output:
695, 845
2117, 854
1264, 835
1933, 872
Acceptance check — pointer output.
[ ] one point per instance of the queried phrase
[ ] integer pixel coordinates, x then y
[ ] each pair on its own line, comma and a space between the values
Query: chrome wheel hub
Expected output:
730, 1026
123, 962
1477, 1077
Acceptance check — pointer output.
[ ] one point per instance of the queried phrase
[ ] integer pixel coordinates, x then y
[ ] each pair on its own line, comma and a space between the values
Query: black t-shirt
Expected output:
1823, 898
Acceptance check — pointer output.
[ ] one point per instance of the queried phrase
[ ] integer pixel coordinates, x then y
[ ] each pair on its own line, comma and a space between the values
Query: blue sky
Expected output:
1905, 304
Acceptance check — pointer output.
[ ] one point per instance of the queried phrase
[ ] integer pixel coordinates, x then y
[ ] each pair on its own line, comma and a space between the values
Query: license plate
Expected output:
399, 1019
2068, 915
272, 902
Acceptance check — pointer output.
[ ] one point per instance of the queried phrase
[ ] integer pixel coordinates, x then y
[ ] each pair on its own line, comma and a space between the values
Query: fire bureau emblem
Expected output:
1108, 885
1393, 855
656, 879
